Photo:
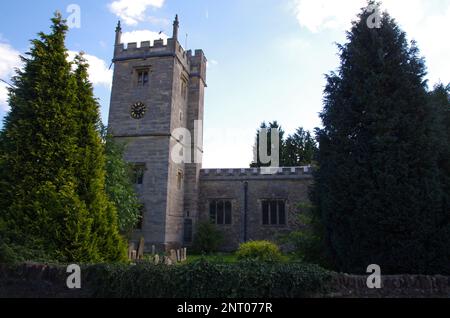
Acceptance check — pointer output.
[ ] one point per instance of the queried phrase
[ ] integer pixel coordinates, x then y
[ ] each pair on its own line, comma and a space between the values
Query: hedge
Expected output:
206, 280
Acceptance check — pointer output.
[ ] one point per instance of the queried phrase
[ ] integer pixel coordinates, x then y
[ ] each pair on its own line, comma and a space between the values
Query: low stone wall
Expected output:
43, 281
402, 286
37, 281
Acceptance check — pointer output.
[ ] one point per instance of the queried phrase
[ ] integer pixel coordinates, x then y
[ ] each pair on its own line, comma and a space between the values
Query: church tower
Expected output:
158, 90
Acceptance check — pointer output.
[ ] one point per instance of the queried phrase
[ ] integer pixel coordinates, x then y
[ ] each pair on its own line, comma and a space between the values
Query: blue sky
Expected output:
267, 58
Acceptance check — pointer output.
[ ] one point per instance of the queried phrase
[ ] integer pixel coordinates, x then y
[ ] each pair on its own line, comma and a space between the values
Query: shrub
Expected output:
263, 251
207, 239
308, 241
208, 280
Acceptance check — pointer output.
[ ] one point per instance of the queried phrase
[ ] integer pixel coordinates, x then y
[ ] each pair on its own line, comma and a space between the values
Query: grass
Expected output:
221, 258
228, 258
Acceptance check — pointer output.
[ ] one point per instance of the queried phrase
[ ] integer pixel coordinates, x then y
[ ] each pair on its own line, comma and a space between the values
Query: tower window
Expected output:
274, 212
138, 174
220, 212
142, 77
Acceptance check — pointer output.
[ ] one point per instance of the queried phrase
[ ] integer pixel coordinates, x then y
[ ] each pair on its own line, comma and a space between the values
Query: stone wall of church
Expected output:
173, 96
289, 185
151, 151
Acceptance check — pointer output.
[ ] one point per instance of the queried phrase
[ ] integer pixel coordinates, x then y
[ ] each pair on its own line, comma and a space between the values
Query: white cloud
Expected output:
142, 35
423, 21
212, 63
99, 72
4, 96
430, 36
319, 15
133, 11
9, 60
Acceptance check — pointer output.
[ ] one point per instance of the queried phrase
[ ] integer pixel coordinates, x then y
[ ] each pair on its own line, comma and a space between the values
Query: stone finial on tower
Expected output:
176, 25
118, 33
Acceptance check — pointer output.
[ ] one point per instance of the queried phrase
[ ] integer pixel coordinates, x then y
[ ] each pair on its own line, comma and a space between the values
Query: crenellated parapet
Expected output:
198, 64
149, 49
257, 173
193, 62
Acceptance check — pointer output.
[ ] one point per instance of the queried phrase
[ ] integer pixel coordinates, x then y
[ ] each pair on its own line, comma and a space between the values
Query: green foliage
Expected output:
300, 149
256, 155
7, 254
52, 163
221, 258
263, 251
296, 150
206, 280
308, 241
378, 189
119, 187
440, 101
207, 239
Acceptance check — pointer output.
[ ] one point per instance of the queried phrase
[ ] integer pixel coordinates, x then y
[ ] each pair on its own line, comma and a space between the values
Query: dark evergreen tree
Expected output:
256, 155
300, 149
378, 190
296, 150
91, 172
440, 101
46, 202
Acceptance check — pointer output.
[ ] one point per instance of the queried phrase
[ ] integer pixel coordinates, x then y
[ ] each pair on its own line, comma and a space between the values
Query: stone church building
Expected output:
157, 89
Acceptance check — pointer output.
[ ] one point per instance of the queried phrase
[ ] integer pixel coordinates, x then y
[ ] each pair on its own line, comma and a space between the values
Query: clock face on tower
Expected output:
138, 110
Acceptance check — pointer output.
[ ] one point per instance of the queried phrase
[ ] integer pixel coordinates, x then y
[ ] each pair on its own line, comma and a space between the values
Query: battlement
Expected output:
160, 48
198, 57
257, 173
198, 64
147, 50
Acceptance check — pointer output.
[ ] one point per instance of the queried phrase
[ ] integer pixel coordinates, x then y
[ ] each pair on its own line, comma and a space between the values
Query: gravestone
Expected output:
133, 255
140, 253
173, 256
178, 255
184, 254
168, 261
131, 248
156, 259
153, 250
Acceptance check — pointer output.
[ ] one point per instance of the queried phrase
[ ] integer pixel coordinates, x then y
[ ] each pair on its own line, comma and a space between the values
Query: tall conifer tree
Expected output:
47, 148
92, 170
377, 189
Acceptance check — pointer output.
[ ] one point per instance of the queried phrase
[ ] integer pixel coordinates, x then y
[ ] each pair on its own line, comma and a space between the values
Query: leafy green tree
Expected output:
296, 150
50, 205
308, 239
207, 238
300, 149
256, 155
377, 189
119, 186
